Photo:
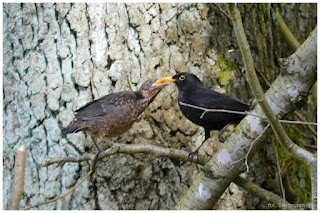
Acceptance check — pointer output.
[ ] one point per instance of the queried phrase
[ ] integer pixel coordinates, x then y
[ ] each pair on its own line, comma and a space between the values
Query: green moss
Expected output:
260, 12
299, 174
225, 75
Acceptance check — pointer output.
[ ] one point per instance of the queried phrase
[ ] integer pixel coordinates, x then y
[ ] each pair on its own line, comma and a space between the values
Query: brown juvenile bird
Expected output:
115, 113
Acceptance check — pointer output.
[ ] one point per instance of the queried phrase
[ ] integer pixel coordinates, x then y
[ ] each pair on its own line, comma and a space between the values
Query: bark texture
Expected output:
57, 57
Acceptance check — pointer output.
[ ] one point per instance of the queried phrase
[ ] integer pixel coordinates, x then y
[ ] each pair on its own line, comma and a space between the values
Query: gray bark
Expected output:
57, 57
286, 93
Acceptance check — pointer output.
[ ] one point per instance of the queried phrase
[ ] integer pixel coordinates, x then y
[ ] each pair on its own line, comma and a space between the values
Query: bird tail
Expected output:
75, 127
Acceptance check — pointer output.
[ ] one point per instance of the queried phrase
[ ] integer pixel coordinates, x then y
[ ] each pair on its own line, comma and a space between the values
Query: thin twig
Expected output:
262, 75
225, 13
68, 192
251, 145
300, 116
242, 113
92, 168
280, 178
310, 146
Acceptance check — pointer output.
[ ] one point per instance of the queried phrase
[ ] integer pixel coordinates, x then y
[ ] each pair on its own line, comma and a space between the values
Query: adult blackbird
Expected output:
115, 113
192, 91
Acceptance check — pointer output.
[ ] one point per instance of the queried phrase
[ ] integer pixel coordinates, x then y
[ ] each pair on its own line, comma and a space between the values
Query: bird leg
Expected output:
196, 152
206, 136
223, 130
108, 141
94, 140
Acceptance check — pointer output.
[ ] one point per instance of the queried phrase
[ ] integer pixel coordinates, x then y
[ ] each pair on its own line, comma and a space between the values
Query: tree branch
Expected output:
150, 149
286, 33
253, 81
18, 179
296, 152
65, 194
279, 176
294, 44
205, 110
158, 152
260, 192
298, 71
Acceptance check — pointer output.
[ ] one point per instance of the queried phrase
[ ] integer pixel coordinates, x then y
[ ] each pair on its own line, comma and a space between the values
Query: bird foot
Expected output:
94, 162
192, 154
223, 130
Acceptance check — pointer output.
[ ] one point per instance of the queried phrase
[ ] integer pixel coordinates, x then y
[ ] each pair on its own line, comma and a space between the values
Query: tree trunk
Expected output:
57, 57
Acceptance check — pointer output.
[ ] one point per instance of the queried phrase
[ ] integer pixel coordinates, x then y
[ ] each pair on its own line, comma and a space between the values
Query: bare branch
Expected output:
182, 155
251, 145
153, 150
65, 194
280, 176
218, 6
299, 70
286, 33
18, 179
307, 48
253, 81
260, 192
162, 152
205, 110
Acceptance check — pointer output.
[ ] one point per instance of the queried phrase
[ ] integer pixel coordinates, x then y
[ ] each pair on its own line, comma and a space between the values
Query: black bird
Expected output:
115, 113
192, 91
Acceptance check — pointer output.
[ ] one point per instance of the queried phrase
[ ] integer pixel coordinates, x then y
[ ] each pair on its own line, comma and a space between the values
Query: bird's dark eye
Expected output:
181, 78
150, 82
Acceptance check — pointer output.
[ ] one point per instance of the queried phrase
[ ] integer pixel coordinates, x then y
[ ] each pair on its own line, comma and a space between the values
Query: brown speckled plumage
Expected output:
115, 113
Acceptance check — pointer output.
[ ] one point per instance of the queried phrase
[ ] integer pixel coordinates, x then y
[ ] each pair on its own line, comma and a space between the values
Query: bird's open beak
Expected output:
165, 78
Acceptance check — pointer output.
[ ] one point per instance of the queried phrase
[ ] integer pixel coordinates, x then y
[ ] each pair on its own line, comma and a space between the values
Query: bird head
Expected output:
182, 80
149, 90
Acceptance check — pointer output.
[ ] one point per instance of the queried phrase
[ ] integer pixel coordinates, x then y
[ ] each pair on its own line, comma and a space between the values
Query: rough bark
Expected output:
57, 57
300, 69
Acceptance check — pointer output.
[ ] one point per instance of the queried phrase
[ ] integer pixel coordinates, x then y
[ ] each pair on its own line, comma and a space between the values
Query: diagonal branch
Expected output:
270, 197
253, 81
296, 152
298, 71
65, 194
286, 33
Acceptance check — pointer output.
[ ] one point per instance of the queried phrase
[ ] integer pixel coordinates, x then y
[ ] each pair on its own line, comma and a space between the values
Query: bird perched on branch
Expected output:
115, 113
193, 92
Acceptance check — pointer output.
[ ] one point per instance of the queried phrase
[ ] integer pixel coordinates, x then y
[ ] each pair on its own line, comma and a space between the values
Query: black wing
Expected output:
98, 108
213, 100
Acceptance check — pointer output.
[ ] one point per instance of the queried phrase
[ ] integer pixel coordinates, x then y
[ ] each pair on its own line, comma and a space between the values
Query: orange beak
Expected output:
165, 78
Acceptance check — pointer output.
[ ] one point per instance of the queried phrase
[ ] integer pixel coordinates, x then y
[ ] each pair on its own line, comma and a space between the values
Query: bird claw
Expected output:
192, 154
94, 162
223, 130
222, 140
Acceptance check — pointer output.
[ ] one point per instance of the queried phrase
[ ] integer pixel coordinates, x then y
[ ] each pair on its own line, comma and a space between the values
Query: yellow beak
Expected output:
165, 78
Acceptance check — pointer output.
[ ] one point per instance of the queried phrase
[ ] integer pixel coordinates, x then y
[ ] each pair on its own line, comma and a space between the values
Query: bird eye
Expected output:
150, 82
181, 78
